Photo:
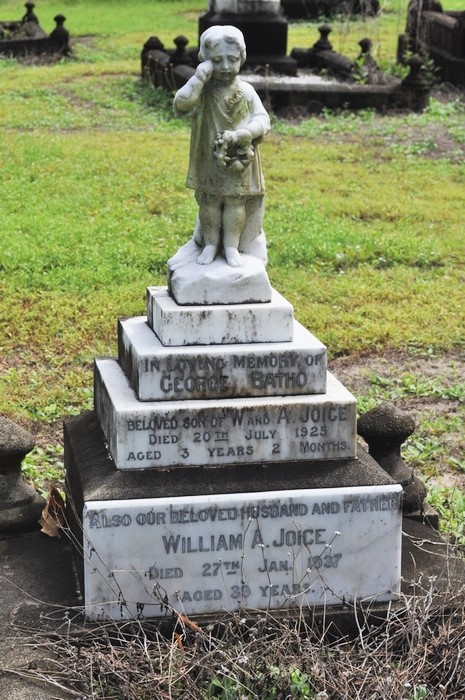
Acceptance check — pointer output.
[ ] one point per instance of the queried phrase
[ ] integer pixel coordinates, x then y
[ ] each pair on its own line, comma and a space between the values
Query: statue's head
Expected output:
214, 37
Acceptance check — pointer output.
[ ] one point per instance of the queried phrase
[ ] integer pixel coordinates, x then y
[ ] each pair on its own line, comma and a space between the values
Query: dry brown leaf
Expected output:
53, 518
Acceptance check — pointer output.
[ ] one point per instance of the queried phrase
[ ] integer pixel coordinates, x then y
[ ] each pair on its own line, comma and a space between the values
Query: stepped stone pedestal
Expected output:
220, 470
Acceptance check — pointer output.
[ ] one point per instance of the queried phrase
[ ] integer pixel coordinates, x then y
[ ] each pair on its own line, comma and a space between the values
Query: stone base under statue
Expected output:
209, 503
219, 283
165, 373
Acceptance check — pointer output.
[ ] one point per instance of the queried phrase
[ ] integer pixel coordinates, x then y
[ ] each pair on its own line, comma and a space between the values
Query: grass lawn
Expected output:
365, 227
365, 230
364, 212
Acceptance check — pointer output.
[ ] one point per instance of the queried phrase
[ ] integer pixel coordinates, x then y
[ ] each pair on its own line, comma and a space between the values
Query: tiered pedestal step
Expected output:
143, 435
229, 409
219, 324
166, 373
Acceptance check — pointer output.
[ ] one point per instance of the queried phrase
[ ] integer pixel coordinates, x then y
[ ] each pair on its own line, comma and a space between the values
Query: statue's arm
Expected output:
259, 122
187, 97
259, 127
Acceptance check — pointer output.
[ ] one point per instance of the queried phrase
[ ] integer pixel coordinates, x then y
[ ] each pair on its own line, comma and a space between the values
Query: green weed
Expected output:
449, 502
458, 464
271, 684
409, 384
420, 451
420, 693
44, 467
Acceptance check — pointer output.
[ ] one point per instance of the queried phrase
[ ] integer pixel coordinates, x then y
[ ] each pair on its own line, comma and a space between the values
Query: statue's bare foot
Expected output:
207, 255
233, 257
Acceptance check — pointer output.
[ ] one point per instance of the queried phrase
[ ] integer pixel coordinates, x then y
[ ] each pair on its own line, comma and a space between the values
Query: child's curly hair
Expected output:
213, 35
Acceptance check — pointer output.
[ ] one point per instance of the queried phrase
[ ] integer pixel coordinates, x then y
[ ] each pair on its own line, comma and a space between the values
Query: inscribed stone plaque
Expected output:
266, 550
159, 373
148, 434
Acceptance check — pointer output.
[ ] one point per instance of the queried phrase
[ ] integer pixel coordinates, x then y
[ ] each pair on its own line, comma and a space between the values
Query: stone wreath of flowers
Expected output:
232, 155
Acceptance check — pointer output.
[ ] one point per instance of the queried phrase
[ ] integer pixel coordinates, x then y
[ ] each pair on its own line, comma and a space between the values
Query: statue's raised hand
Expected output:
204, 71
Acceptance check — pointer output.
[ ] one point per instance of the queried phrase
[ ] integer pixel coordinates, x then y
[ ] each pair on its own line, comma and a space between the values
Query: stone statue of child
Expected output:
228, 123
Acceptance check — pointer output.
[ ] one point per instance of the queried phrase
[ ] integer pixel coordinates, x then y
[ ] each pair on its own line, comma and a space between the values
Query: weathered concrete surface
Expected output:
38, 586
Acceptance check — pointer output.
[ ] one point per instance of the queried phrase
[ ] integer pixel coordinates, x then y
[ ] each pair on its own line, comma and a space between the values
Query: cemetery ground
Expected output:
366, 238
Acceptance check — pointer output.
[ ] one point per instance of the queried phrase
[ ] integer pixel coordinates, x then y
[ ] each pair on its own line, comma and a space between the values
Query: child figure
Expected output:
228, 122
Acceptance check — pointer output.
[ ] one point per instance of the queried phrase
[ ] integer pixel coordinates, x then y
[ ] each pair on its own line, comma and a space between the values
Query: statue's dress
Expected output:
222, 110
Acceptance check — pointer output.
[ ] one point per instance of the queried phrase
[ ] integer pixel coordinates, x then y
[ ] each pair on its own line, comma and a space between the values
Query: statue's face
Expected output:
226, 60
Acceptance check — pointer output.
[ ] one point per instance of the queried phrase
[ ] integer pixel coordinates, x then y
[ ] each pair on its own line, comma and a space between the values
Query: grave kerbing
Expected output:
220, 467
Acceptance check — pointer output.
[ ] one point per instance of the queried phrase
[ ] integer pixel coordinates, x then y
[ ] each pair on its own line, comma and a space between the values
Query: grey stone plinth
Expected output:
38, 590
144, 435
282, 513
159, 373
177, 325
92, 475
246, 7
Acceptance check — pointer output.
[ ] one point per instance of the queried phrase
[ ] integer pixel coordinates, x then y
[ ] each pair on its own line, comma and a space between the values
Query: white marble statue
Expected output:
228, 122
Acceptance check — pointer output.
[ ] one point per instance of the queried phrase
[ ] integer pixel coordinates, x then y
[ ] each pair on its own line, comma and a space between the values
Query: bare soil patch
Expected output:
446, 371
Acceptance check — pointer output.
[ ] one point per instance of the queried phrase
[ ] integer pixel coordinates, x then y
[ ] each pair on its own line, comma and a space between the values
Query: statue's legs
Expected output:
218, 213
210, 215
233, 225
